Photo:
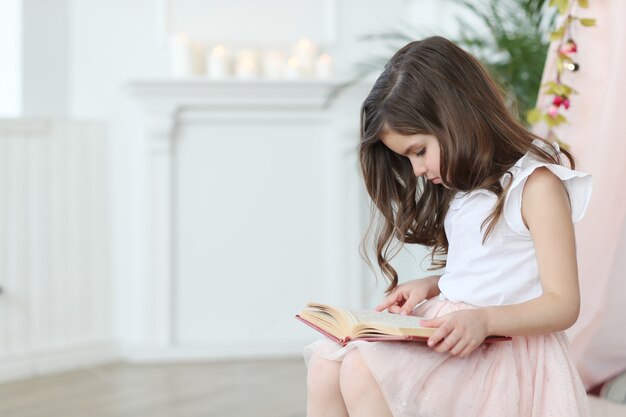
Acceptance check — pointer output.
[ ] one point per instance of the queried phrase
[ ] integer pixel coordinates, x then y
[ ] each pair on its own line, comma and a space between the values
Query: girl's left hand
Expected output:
458, 333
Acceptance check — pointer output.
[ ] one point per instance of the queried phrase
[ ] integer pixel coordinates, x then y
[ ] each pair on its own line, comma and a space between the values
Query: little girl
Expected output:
448, 167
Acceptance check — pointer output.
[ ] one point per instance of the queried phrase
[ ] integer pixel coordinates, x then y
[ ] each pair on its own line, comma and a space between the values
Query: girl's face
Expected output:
422, 151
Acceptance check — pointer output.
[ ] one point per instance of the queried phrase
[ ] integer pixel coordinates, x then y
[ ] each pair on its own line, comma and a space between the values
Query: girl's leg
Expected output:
360, 390
324, 394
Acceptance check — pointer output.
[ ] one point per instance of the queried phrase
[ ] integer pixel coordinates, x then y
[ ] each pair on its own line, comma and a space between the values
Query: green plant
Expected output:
512, 42
513, 48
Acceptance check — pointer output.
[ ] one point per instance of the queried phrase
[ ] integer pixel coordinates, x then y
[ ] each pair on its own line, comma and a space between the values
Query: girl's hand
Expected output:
405, 297
458, 333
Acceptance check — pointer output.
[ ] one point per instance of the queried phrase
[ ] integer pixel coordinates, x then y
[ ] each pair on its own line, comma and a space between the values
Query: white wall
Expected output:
10, 58
46, 48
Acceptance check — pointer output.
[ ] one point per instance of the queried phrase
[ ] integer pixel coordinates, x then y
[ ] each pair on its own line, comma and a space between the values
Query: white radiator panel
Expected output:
54, 241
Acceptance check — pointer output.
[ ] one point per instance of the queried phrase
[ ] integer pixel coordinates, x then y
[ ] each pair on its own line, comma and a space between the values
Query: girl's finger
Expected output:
468, 349
391, 299
386, 303
439, 335
450, 342
410, 304
459, 347
395, 309
436, 322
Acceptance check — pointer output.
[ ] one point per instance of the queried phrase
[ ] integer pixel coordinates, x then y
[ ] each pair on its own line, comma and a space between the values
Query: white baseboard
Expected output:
60, 359
68, 358
255, 350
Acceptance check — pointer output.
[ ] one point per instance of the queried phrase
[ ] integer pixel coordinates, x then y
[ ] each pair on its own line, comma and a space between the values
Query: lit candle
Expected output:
305, 51
293, 70
181, 56
324, 67
218, 63
199, 61
246, 64
274, 64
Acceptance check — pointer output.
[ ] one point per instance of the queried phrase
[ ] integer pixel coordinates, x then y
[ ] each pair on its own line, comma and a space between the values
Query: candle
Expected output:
181, 56
246, 65
274, 64
324, 67
293, 70
199, 61
305, 51
218, 66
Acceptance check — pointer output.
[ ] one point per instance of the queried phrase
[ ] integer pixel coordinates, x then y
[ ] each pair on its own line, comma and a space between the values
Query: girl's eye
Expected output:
421, 152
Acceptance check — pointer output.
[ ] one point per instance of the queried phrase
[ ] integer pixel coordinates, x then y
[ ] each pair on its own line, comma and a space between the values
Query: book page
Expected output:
389, 319
358, 322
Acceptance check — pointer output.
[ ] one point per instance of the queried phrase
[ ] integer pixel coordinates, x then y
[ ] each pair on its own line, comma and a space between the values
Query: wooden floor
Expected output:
269, 388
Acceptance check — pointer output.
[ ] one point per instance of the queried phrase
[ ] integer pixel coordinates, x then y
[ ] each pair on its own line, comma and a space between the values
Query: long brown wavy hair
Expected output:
432, 86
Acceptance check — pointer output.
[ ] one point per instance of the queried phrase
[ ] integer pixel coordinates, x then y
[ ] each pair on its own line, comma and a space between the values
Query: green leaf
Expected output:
568, 91
562, 6
564, 57
552, 87
549, 120
588, 22
558, 89
558, 120
559, 65
557, 34
583, 3
549, 90
533, 116
561, 90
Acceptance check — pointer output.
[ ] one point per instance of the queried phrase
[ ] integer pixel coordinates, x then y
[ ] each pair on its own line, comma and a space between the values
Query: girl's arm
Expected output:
547, 214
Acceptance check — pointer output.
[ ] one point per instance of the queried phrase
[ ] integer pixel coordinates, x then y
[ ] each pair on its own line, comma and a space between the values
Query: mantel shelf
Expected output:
233, 93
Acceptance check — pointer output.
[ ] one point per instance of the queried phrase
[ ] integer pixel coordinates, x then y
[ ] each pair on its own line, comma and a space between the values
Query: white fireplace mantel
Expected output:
297, 94
192, 112
167, 102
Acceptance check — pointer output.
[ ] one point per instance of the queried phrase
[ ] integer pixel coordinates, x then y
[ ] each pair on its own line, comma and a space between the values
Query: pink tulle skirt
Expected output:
529, 376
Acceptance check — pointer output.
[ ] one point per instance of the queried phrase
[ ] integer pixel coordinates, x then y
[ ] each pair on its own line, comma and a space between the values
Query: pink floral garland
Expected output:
566, 50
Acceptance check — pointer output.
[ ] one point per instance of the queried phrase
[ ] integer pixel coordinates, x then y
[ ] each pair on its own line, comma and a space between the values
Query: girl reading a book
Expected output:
448, 167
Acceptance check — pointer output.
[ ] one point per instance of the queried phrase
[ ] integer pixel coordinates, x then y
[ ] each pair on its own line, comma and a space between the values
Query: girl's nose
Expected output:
418, 169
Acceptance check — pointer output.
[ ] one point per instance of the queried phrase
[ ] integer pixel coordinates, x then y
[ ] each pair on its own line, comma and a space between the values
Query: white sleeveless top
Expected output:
504, 270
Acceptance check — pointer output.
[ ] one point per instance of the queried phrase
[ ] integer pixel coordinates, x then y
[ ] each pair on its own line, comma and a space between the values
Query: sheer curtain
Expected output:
597, 136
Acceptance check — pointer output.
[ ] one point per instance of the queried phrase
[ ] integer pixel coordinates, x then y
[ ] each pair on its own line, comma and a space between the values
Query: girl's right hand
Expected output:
405, 297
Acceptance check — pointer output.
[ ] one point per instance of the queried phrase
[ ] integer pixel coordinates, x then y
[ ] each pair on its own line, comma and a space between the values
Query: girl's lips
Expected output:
436, 180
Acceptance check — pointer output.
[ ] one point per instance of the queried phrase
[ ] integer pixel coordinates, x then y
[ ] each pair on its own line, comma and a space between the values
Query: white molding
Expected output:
21, 125
218, 351
36, 363
165, 96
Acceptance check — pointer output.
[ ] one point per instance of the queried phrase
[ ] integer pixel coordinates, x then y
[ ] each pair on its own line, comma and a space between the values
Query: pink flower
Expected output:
569, 47
553, 111
566, 103
558, 100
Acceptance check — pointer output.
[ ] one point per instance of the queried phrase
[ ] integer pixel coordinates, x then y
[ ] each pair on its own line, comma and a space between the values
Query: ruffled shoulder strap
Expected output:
578, 185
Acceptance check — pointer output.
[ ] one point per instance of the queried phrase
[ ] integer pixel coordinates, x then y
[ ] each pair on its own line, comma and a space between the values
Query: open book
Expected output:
346, 324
